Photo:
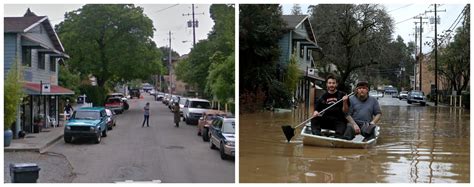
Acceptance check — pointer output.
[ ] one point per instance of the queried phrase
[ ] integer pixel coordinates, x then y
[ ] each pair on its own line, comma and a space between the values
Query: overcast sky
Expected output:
402, 15
166, 17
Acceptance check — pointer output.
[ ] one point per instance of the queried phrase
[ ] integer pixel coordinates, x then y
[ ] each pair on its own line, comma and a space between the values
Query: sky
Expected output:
165, 17
403, 14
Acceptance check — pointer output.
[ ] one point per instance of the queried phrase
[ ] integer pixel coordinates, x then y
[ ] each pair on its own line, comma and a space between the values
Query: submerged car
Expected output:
403, 95
416, 96
87, 122
205, 122
222, 136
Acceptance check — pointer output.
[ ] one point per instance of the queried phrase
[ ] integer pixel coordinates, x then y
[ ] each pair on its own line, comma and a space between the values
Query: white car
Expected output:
193, 109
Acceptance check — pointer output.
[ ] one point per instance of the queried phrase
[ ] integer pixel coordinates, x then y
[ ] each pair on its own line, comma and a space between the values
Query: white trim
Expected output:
34, 24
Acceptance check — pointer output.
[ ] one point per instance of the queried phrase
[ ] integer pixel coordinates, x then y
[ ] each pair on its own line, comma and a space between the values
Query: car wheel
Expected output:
423, 104
408, 101
221, 150
212, 145
98, 138
67, 139
110, 127
104, 133
187, 121
205, 135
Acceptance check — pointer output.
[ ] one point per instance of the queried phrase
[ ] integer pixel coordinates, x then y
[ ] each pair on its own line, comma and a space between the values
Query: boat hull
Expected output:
329, 141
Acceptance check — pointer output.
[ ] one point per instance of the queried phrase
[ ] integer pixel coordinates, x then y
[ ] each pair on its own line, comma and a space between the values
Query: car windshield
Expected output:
228, 127
416, 93
200, 104
113, 100
90, 115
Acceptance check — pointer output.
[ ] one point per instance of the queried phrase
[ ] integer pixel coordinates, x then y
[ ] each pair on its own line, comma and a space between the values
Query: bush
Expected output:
279, 95
465, 99
251, 102
95, 94
13, 94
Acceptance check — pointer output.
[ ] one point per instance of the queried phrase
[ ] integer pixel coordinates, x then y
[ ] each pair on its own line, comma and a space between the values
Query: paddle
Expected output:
290, 131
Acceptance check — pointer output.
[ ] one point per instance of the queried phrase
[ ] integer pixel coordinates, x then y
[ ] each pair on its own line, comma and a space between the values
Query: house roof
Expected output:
29, 21
294, 21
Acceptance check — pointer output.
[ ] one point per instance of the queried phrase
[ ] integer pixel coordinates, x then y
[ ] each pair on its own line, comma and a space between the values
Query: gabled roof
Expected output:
294, 21
29, 21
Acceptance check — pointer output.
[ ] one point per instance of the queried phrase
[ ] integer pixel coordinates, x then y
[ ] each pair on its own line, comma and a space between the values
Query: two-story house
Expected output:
32, 42
299, 40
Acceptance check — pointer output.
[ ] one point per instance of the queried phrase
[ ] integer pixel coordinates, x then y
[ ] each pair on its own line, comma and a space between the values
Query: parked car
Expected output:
135, 92
222, 136
110, 119
390, 90
193, 109
122, 96
182, 101
205, 122
87, 122
174, 99
403, 95
374, 93
166, 99
115, 104
159, 96
416, 96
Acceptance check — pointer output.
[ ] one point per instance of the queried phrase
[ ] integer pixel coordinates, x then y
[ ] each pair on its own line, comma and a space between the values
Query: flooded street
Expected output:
416, 145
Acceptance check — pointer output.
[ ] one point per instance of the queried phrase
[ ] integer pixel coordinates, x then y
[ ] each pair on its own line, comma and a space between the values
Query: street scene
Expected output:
354, 93
112, 93
161, 152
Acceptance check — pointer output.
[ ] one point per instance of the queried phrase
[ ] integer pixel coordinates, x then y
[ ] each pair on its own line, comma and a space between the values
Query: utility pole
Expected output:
436, 51
416, 49
420, 57
194, 23
171, 66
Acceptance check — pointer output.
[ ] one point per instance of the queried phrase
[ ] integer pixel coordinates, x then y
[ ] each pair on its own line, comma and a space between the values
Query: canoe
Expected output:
327, 139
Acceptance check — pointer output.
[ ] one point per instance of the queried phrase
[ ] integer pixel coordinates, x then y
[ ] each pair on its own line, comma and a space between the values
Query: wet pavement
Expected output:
416, 145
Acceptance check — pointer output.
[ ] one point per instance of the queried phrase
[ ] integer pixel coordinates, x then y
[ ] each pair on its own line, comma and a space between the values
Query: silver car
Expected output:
416, 96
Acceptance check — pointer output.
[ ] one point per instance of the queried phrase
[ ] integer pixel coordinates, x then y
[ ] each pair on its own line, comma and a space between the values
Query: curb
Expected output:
48, 145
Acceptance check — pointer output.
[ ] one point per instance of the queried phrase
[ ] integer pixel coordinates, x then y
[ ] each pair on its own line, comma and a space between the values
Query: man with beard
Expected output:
365, 111
334, 118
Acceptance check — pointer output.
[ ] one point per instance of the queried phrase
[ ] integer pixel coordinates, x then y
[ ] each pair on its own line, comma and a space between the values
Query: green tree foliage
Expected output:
210, 58
352, 37
111, 42
220, 81
69, 80
292, 74
455, 57
13, 93
260, 27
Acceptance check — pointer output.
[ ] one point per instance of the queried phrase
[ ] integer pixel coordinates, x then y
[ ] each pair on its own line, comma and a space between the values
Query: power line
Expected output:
166, 8
400, 8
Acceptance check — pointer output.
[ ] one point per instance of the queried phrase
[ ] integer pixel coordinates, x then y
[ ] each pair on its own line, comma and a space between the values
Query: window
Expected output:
41, 61
52, 64
26, 56
301, 51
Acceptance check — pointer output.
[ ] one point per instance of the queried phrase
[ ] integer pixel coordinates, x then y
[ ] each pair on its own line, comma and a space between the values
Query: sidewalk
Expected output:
37, 142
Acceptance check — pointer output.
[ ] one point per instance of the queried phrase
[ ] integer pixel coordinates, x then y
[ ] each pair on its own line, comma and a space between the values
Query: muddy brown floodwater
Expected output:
416, 145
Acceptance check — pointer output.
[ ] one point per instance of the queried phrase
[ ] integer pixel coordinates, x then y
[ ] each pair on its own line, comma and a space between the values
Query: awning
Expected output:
35, 89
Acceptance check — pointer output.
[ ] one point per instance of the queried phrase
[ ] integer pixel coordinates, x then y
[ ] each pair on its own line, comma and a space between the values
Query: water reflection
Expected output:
417, 144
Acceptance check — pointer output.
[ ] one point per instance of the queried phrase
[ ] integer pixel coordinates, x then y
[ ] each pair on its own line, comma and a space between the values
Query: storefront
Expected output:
40, 106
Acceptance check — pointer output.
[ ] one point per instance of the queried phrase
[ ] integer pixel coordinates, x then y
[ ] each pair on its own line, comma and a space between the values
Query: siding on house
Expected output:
285, 48
9, 52
39, 34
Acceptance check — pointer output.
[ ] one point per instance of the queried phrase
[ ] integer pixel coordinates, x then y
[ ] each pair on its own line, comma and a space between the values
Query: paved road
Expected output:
159, 152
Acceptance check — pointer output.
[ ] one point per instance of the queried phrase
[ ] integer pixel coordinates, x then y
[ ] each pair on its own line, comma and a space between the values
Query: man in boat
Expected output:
333, 118
365, 112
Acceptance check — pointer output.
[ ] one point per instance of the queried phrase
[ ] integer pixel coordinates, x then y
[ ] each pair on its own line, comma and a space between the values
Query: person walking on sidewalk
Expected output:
177, 116
146, 112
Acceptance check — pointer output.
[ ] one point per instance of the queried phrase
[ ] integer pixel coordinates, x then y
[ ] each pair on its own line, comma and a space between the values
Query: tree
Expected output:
260, 27
13, 93
296, 10
208, 61
292, 74
352, 37
111, 42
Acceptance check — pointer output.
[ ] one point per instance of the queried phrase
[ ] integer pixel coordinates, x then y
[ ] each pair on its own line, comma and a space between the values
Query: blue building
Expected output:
299, 40
32, 42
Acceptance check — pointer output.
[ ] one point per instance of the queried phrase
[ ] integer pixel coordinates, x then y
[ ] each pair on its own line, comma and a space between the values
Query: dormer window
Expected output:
26, 56
41, 61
